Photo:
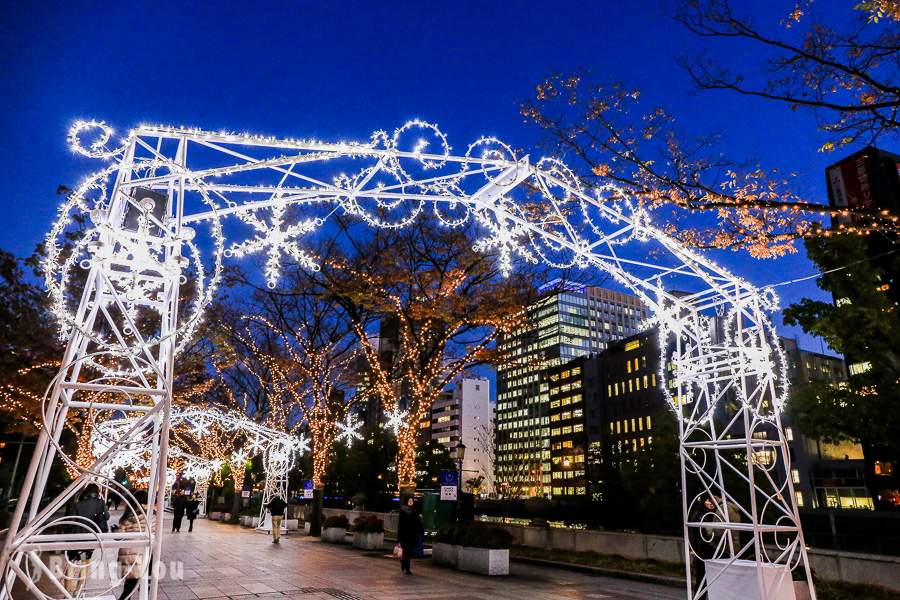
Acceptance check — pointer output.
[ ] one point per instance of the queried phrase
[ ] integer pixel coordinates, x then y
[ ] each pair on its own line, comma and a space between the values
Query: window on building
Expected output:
795, 475
883, 467
789, 434
858, 368
799, 497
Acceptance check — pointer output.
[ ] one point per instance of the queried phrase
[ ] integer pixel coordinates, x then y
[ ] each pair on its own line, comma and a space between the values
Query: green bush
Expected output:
339, 521
475, 535
221, 507
367, 524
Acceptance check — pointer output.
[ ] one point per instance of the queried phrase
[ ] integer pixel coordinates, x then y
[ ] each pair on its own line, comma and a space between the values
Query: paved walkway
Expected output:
223, 561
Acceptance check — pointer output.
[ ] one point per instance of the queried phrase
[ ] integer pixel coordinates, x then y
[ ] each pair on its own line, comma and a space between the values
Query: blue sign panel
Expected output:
450, 478
308, 488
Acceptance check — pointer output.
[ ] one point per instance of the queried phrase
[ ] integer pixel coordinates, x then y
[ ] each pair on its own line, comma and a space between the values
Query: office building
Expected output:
465, 415
567, 322
824, 475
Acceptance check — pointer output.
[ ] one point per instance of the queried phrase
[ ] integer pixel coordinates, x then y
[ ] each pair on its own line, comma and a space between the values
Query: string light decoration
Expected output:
348, 430
163, 186
222, 437
304, 378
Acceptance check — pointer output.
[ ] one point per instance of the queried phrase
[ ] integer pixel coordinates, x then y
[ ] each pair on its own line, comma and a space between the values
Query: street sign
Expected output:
449, 478
449, 485
307, 489
448, 492
245, 493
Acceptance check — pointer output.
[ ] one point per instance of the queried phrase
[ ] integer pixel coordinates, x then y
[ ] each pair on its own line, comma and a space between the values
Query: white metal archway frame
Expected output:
279, 449
172, 203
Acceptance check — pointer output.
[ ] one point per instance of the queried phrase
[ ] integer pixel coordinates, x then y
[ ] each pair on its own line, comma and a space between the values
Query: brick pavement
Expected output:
223, 561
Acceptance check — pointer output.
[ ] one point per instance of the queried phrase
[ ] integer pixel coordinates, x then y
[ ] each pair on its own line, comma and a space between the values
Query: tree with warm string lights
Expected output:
441, 302
310, 360
841, 69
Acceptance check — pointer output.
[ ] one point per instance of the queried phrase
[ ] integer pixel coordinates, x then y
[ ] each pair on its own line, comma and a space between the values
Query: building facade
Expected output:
465, 415
824, 475
632, 393
564, 324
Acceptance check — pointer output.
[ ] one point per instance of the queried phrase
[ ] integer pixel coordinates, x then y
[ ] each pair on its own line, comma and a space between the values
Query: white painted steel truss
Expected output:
172, 203
279, 449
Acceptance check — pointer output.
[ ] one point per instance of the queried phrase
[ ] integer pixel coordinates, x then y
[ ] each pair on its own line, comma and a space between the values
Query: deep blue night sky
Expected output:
341, 70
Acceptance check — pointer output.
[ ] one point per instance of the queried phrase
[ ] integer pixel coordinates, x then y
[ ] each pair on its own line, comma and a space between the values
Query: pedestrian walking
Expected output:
193, 509
409, 528
89, 514
179, 505
276, 507
131, 560
702, 541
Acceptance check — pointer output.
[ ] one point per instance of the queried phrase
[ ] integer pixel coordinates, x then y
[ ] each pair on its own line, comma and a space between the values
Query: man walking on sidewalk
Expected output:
276, 507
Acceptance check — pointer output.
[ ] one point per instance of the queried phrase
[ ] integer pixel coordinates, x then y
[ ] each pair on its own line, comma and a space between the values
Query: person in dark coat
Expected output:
409, 528
90, 507
193, 509
179, 505
276, 507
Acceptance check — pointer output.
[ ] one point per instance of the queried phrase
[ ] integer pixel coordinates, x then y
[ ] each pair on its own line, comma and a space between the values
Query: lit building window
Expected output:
857, 368
795, 475
883, 467
799, 497
789, 434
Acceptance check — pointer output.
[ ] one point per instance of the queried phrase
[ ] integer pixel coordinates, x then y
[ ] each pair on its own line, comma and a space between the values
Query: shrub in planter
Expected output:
338, 521
475, 534
476, 547
368, 532
334, 529
367, 524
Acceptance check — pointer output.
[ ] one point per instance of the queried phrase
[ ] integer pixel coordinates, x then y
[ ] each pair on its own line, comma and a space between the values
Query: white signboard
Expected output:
448, 492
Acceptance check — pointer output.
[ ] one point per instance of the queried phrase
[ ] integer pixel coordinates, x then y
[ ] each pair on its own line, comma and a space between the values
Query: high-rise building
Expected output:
632, 393
870, 180
564, 324
824, 475
465, 415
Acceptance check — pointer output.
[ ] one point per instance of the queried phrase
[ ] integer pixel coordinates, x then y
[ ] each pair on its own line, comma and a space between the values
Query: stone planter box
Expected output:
445, 555
215, 516
483, 561
249, 521
801, 590
368, 541
290, 524
334, 535
226, 517
306, 527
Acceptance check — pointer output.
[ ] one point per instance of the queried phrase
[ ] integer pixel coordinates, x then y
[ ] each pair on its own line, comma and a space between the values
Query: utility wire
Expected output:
816, 276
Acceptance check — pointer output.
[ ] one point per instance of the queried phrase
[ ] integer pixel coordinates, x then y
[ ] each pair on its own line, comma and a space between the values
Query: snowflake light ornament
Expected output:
396, 420
349, 430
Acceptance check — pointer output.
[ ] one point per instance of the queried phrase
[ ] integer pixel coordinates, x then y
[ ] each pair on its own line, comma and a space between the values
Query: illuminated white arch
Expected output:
163, 187
279, 449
